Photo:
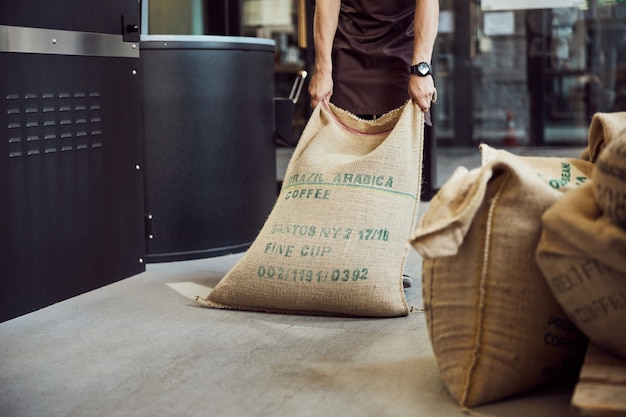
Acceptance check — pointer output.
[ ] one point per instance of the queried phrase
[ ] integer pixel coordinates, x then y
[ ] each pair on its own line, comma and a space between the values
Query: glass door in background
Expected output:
511, 75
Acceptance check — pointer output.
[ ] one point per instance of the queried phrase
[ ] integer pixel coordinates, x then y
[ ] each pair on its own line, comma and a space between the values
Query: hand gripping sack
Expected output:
495, 328
336, 239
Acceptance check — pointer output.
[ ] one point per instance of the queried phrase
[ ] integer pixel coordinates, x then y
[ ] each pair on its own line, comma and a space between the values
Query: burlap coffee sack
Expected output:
559, 173
495, 328
336, 239
609, 180
604, 127
582, 254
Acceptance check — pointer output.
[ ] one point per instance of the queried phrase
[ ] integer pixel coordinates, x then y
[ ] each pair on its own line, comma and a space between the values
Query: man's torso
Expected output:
371, 55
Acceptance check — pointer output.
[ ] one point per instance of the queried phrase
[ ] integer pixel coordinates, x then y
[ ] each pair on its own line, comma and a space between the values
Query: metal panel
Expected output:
99, 16
71, 196
71, 185
64, 42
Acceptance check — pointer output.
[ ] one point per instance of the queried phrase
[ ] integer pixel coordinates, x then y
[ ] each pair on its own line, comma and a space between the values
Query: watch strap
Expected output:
418, 69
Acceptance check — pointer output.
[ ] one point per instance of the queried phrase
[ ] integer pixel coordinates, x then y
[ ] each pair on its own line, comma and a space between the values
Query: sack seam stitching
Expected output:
482, 295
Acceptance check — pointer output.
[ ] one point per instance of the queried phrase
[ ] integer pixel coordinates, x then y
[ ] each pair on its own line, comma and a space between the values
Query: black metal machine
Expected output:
71, 176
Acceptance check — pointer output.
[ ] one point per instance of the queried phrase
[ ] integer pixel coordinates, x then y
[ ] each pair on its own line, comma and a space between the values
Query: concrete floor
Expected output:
142, 347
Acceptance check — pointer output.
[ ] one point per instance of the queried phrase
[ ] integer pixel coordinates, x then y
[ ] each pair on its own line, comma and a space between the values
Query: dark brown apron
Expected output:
372, 53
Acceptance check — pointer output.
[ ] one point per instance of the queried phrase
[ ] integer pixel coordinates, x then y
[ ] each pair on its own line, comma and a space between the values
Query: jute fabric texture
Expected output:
603, 128
609, 179
495, 327
337, 238
582, 251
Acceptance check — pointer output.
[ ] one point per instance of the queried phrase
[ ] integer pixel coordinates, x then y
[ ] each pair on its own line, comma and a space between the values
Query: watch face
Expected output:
423, 68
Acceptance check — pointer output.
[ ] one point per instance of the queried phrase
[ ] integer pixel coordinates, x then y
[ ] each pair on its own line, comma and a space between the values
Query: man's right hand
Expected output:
320, 87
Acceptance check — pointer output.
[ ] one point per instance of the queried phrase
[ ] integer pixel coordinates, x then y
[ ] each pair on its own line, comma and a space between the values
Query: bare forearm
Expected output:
324, 28
422, 89
426, 25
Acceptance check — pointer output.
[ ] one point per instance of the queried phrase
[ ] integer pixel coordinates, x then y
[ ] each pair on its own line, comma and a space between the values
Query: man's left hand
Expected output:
422, 91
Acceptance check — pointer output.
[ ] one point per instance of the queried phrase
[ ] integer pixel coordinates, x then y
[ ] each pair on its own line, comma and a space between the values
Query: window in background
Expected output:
527, 76
174, 17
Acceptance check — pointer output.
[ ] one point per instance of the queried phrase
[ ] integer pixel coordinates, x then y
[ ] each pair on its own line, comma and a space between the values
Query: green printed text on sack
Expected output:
566, 177
312, 276
305, 251
347, 178
330, 232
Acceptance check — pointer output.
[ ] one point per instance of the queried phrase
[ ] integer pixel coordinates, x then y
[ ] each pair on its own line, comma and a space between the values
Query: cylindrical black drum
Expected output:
209, 153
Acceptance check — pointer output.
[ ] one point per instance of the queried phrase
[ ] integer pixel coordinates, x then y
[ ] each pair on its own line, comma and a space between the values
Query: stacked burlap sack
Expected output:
494, 325
582, 251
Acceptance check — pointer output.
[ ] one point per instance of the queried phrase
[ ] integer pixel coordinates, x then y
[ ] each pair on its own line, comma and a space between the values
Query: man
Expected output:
372, 55
367, 50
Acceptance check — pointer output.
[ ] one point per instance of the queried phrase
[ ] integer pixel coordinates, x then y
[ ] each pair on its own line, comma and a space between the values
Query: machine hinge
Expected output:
148, 227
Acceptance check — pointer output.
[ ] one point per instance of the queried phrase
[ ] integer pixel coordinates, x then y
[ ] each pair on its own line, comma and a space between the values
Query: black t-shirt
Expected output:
372, 53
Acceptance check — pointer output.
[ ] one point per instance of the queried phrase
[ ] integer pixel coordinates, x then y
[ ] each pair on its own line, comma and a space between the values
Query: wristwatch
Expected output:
422, 69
